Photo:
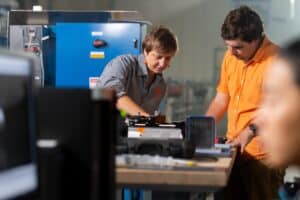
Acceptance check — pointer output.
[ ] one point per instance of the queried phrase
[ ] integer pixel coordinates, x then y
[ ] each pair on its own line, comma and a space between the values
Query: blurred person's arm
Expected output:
125, 103
218, 106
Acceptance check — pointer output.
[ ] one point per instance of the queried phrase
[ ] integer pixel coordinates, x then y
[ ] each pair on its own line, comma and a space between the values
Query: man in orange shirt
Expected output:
239, 93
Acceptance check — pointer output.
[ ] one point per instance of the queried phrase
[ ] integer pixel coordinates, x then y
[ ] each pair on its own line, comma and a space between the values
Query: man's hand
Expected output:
242, 140
126, 104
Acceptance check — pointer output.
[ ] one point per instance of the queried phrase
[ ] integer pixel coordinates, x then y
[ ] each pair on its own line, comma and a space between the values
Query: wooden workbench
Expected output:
208, 174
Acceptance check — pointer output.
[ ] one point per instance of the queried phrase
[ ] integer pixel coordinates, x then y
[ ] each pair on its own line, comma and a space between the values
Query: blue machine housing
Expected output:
76, 46
83, 49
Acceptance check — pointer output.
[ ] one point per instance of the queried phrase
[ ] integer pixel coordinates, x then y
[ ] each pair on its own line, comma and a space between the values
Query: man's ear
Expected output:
145, 52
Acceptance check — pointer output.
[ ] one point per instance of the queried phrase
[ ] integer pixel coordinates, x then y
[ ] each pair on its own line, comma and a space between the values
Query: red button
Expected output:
99, 43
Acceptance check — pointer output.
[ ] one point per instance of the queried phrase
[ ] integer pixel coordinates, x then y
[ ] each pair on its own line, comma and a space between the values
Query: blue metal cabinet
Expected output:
83, 49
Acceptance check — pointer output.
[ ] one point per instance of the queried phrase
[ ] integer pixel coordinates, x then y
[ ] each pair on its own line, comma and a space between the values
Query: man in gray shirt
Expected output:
138, 80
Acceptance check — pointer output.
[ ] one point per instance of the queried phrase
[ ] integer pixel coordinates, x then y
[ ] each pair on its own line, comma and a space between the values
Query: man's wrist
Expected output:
253, 129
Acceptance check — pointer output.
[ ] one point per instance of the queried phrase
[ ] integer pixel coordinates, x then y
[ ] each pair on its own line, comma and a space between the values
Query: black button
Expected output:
99, 43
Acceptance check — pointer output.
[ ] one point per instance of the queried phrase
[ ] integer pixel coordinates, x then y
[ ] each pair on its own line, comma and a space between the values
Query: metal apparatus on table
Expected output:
193, 137
151, 135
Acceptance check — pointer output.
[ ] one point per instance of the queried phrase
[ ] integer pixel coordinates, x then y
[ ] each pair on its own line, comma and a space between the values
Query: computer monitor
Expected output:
76, 138
18, 174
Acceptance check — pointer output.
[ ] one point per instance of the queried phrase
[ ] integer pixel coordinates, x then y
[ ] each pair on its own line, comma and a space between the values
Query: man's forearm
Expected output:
126, 104
218, 106
216, 111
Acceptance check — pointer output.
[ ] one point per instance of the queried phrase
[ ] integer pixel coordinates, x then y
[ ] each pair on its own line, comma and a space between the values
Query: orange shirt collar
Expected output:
261, 52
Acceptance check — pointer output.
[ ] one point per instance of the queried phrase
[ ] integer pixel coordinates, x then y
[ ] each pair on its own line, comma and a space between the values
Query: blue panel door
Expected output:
83, 49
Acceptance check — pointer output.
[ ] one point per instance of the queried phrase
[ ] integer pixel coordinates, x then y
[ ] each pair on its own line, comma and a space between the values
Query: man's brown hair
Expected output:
242, 23
161, 39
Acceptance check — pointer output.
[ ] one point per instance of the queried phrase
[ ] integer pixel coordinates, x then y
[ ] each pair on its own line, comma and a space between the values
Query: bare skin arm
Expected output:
129, 106
218, 106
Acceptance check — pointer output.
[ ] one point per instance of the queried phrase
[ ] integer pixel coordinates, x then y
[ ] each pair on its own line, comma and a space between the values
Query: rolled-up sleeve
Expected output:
115, 76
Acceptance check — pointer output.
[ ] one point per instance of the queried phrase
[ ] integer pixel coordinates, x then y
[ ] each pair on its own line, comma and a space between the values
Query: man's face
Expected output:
279, 115
242, 50
158, 62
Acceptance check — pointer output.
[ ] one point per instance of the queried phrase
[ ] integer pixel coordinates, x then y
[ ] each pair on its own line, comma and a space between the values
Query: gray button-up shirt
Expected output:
127, 75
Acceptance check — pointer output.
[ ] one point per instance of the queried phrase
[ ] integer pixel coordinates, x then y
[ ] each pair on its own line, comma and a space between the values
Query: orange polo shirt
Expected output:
243, 83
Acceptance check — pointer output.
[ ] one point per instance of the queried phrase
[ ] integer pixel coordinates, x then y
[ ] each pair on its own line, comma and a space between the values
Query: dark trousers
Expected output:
252, 180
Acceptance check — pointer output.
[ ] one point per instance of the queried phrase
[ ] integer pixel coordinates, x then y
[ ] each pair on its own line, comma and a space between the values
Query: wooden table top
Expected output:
205, 174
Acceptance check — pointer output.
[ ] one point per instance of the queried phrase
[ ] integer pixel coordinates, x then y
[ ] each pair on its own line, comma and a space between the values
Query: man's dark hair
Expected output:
161, 39
242, 23
291, 53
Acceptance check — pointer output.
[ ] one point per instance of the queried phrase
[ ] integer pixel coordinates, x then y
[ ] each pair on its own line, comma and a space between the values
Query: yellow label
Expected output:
97, 55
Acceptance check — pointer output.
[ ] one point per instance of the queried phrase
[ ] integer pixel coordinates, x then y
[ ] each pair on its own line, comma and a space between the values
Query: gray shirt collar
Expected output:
142, 67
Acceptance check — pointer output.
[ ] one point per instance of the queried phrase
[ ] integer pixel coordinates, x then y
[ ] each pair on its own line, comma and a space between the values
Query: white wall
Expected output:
155, 10
285, 21
198, 30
